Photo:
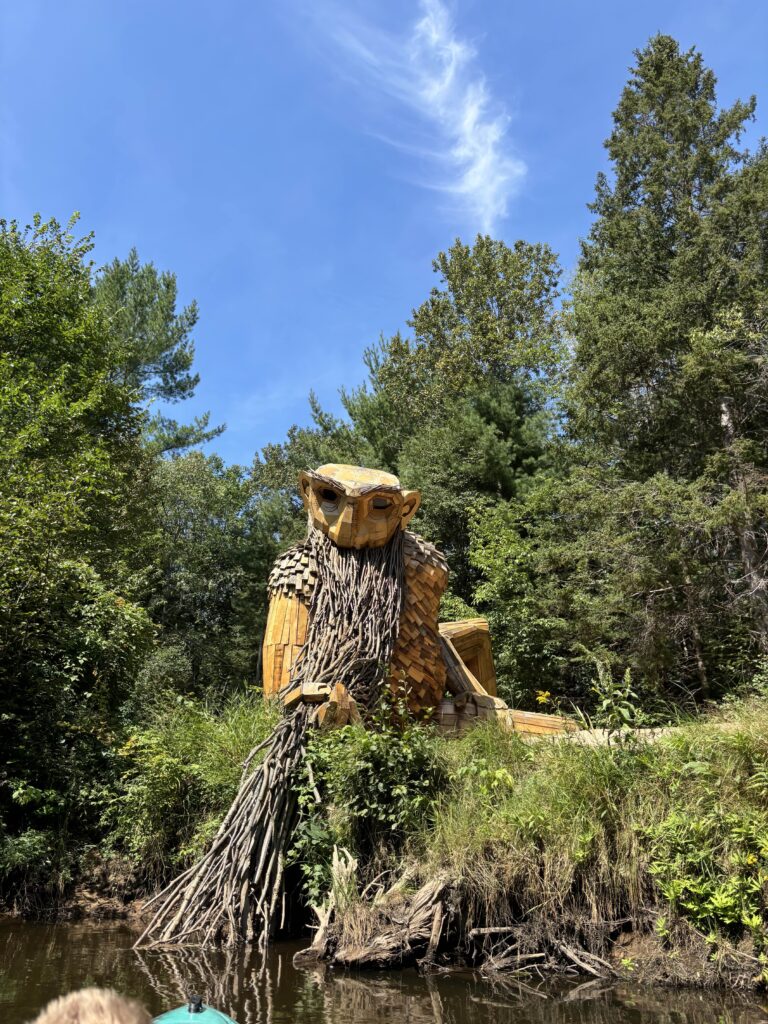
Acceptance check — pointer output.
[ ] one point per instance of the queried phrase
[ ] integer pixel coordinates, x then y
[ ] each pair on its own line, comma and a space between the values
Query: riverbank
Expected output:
631, 859
634, 860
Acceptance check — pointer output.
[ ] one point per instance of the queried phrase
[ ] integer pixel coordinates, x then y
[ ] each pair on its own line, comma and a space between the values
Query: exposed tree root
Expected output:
426, 928
392, 931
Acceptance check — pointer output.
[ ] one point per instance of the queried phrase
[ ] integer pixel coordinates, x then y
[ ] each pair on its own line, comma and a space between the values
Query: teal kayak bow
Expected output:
195, 1012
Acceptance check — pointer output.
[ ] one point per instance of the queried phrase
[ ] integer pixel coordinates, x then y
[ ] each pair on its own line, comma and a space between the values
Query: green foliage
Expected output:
667, 251
482, 451
178, 776
639, 575
73, 499
376, 786
212, 550
669, 435
122, 575
616, 709
460, 410
576, 833
152, 352
538, 833
492, 322
708, 848
687, 852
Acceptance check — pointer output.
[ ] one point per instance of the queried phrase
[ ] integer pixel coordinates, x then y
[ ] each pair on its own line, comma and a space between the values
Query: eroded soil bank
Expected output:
427, 929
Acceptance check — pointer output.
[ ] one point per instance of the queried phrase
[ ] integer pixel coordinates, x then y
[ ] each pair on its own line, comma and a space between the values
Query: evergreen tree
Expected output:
650, 550
461, 409
153, 349
680, 238
671, 294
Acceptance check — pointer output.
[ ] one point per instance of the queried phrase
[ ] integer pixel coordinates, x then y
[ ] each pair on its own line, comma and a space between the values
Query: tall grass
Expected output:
556, 831
555, 835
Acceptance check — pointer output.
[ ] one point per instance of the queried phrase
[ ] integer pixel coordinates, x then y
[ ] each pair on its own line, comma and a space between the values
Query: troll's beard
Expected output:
354, 616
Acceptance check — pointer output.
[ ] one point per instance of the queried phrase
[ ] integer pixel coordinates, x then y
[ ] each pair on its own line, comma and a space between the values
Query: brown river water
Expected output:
38, 962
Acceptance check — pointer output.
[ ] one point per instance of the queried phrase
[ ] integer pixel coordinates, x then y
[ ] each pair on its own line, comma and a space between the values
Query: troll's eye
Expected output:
328, 496
381, 503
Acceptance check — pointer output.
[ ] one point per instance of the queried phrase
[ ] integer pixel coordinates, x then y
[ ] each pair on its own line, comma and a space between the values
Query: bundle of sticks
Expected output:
232, 894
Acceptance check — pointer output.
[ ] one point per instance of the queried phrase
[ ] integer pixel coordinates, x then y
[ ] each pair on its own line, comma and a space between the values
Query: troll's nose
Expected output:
347, 525
349, 516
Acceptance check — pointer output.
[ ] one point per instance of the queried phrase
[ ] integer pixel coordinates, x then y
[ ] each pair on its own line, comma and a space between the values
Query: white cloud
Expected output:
433, 73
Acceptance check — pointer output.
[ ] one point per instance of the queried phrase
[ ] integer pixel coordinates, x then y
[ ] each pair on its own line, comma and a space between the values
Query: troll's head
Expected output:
356, 507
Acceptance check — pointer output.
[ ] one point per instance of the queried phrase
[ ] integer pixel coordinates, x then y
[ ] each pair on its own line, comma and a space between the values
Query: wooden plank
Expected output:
268, 670
281, 607
292, 697
289, 615
314, 693
464, 628
459, 678
302, 623
338, 709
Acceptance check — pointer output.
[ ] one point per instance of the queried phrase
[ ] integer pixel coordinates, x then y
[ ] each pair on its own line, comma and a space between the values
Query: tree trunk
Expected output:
698, 648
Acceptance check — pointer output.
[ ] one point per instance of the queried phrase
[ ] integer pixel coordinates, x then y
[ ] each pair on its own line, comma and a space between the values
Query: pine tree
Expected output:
651, 550
679, 239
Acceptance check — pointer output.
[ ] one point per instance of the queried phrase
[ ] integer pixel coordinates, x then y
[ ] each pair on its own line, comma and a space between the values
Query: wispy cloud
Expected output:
458, 130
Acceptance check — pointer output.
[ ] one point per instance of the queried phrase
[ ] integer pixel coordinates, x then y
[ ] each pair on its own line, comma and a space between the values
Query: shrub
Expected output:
377, 788
180, 774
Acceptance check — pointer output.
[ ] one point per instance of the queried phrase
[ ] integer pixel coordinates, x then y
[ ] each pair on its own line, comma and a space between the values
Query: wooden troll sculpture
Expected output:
353, 609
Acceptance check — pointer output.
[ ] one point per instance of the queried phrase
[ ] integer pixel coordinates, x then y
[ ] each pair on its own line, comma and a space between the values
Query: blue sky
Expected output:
298, 165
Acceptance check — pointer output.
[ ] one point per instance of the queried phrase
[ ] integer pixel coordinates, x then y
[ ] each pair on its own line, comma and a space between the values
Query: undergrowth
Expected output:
562, 836
367, 790
582, 835
551, 834
179, 776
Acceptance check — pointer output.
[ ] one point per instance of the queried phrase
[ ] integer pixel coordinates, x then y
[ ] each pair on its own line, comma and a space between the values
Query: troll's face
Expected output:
356, 507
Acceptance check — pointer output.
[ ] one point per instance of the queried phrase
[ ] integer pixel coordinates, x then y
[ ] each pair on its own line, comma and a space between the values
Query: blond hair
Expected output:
93, 1006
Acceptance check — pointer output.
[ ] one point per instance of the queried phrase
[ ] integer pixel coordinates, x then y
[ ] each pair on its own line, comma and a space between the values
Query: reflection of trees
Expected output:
242, 983
40, 962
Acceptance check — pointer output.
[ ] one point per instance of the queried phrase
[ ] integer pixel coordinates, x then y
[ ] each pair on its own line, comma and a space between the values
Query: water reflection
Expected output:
38, 962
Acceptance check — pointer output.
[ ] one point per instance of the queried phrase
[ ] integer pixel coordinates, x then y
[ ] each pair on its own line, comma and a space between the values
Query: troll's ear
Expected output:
304, 486
411, 502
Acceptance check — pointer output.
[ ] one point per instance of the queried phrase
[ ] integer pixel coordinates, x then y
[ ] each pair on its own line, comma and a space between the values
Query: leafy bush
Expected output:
377, 788
708, 848
179, 775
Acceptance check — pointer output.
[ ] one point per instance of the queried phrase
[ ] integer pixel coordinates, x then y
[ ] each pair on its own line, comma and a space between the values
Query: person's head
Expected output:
93, 1006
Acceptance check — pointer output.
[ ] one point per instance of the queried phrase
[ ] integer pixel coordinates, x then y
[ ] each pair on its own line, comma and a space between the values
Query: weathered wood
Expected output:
471, 641
398, 938
339, 709
418, 670
434, 938
459, 680
284, 634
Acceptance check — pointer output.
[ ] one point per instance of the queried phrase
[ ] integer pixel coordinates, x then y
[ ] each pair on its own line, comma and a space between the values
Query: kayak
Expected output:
195, 1012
